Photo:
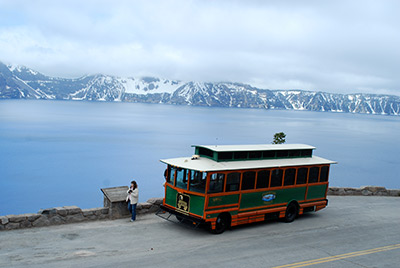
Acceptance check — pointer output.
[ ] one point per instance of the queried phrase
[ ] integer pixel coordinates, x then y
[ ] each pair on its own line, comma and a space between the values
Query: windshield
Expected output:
198, 181
183, 177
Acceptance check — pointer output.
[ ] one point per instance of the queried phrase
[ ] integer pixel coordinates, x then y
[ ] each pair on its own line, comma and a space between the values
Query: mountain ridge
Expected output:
18, 82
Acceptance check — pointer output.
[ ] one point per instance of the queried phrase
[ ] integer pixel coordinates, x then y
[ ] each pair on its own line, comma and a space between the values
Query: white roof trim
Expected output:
255, 147
206, 164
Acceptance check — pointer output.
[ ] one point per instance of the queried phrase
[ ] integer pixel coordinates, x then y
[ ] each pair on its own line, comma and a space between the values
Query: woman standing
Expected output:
132, 199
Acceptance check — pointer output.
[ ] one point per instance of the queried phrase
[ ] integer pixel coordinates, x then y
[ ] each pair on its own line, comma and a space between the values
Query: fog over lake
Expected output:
58, 153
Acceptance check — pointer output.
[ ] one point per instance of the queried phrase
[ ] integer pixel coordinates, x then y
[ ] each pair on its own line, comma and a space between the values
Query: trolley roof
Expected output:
206, 165
256, 147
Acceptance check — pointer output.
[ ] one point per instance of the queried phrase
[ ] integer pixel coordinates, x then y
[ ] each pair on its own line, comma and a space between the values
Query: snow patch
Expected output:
141, 87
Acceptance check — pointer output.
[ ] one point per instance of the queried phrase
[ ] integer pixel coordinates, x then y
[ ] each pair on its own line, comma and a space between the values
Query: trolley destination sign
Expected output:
229, 185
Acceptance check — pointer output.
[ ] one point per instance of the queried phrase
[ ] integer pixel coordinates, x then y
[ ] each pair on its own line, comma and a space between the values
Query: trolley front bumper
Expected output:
166, 213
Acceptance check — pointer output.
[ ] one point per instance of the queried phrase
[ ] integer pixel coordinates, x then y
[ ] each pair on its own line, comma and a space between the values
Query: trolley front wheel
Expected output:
222, 223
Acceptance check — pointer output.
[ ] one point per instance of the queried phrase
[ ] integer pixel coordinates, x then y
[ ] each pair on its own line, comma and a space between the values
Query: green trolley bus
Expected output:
229, 185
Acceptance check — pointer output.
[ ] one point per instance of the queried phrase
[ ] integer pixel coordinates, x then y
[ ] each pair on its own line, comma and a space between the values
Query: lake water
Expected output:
58, 153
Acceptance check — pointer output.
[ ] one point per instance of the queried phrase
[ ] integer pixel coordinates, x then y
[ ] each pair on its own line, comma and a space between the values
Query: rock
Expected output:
26, 224
366, 192
56, 220
92, 217
103, 216
31, 216
97, 211
104, 210
155, 201
3, 220
93, 211
353, 191
48, 211
74, 218
154, 208
16, 218
41, 221
90, 212
341, 191
2, 227
144, 211
394, 192
61, 211
332, 191
145, 205
12, 225
71, 210
374, 189
349, 191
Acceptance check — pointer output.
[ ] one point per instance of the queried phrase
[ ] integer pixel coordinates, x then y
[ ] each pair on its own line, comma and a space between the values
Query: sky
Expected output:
337, 46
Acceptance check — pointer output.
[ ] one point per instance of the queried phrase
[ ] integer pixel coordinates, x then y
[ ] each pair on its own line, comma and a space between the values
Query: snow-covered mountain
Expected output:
21, 82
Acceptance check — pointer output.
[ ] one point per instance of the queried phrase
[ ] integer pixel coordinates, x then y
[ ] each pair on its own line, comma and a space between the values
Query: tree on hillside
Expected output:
279, 138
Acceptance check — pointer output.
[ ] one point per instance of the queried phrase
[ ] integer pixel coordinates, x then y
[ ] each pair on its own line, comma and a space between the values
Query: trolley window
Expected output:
197, 181
248, 181
263, 179
314, 173
302, 176
181, 178
324, 174
290, 175
276, 177
232, 182
217, 183
171, 173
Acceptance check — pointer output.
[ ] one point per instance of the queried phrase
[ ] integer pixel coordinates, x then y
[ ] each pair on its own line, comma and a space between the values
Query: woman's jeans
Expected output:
132, 209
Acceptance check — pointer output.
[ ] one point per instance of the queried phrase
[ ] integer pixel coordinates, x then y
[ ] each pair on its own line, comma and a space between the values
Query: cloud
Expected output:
337, 46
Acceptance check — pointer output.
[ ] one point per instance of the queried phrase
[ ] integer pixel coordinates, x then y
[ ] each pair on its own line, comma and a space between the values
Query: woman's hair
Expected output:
134, 184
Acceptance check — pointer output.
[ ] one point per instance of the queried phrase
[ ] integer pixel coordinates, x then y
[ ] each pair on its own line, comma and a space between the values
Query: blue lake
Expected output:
58, 153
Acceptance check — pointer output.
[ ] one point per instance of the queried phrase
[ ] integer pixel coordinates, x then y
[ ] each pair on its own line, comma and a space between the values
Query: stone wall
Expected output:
365, 190
69, 214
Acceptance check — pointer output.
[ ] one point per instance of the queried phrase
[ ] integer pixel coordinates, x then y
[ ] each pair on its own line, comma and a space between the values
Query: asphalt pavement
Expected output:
353, 231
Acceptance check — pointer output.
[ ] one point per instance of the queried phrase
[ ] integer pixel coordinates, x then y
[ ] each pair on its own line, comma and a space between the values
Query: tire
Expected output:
179, 218
292, 211
222, 223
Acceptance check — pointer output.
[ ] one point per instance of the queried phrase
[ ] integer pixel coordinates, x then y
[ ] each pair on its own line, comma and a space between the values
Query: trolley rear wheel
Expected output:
292, 211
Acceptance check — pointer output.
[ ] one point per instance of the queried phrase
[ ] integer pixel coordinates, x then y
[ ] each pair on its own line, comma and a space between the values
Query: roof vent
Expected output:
195, 157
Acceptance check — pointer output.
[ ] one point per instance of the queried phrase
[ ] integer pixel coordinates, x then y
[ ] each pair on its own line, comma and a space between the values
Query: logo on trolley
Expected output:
182, 203
268, 197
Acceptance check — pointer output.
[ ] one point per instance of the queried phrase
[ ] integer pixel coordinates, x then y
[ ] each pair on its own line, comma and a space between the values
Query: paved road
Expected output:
351, 232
